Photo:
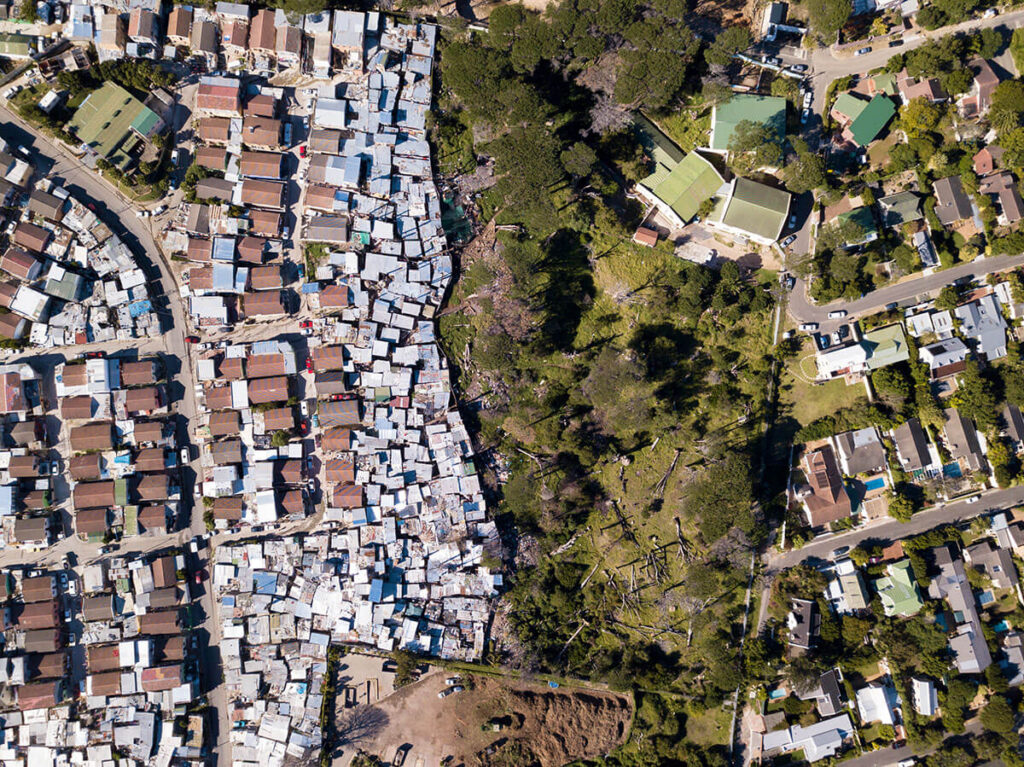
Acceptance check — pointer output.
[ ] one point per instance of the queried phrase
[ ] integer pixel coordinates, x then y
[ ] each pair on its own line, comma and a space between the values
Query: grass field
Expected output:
708, 728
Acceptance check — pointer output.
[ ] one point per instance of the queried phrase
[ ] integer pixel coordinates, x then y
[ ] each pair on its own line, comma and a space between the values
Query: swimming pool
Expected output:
877, 483
952, 470
986, 598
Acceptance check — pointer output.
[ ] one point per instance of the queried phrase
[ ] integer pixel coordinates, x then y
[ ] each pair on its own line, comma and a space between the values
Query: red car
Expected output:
302, 151
93, 355
309, 364
337, 397
304, 426
306, 324
91, 206
191, 339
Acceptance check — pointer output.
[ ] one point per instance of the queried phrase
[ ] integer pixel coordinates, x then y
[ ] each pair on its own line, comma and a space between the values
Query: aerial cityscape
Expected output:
511, 384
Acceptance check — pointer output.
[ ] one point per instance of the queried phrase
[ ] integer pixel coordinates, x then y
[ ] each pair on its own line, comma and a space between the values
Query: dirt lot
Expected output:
540, 726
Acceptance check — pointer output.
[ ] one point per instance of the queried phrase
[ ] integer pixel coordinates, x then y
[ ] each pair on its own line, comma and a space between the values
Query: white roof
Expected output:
874, 705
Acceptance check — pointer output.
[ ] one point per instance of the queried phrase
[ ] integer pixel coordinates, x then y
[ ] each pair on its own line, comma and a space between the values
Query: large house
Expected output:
824, 496
111, 123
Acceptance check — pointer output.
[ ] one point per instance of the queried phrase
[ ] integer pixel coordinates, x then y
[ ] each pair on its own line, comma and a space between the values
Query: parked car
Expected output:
840, 551
808, 97
823, 342
159, 210
788, 241
185, 457
792, 221
302, 151
445, 693
306, 324
838, 314
805, 116
452, 681
973, 499
863, 51
309, 364
304, 408
799, 67
808, 327
191, 339
175, 156
988, 15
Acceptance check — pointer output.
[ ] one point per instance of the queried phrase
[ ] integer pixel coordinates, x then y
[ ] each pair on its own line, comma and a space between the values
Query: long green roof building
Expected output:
751, 210
679, 192
769, 110
111, 121
872, 120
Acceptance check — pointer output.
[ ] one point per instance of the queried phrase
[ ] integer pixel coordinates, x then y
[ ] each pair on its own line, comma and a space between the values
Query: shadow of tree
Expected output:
360, 724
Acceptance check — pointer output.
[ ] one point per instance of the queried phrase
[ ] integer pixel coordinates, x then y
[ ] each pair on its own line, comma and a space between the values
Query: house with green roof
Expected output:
15, 46
898, 590
751, 211
883, 83
885, 346
863, 219
872, 120
847, 108
769, 110
679, 192
900, 208
111, 123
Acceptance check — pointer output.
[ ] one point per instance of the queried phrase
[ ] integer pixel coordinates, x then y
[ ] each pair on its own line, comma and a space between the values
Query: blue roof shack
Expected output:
264, 583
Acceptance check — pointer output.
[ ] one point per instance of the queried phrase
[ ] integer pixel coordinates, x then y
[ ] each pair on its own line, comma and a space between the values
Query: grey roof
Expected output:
962, 440
912, 446
995, 562
1014, 423
803, 623
861, 450
952, 203
982, 322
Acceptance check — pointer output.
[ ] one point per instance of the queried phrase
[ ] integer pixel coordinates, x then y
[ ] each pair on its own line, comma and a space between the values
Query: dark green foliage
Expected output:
976, 398
722, 498
997, 716
730, 40
827, 17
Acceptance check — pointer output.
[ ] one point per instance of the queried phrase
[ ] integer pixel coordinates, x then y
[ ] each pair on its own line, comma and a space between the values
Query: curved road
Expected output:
802, 310
118, 214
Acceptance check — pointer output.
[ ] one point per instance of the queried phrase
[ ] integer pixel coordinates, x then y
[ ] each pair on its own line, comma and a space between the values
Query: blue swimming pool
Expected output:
986, 597
878, 483
952, 470
1002, 626
776, 693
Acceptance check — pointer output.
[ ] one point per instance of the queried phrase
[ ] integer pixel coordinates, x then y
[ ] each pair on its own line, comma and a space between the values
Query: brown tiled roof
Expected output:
334, 297
38, 588
341, 470
142, 400
12, 325
215, 189
328, 357
279, 418
236, 34
153, 518
263, 303
200, 278
152, 487
224, 423
325, 140
292, 502
8, 290
107, 683
273, 389
348, 496
80, 406
261, 131
138, 373
179, 23
161, 622
25, 432
164, 573
204, 37
85, 466
263, 194
260, 164
151, 459
74, 375
265, 222
265, 277
265, 365
167, 649
47, 666
230, 368
98, 608
160, 678
218, 397
263, 32
212, 157
320, 196
31, 236
35, 695
337, 439
250, 249
19, 263
148, 431
41, 640
38, 615
263, 105
23, 466
92, 495
227, 451
215, 129
341, 413
92, 436
290, 471
103, 657
91, 521
289, 40
199, 250
331, 382
34, 499
229, 508
217, 97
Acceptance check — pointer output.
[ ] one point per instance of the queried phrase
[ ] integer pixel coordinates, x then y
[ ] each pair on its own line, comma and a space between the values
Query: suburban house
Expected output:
898, 590
952, 203
803, 623
900, 208
744, 107
824, 496
969, 647
962, 441
1013, 429
861, 451
926, 698
751, 210
987, 159
1003, 190
982, 323
817, 741
678, 191
877, 703
976, 102
829, 696
994, 562
911, 443
871, 121
945, 358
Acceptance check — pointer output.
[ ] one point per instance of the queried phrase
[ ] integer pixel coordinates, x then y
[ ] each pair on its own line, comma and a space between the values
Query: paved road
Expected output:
117, 213
802, 310
890, 529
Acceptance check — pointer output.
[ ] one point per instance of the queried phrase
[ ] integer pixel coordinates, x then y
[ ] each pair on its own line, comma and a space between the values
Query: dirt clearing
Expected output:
491, 722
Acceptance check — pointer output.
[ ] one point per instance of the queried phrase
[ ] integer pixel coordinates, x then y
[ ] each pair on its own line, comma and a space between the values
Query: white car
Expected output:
807, 99
161, 209
973, 499
837, 315
808, 327
452, 681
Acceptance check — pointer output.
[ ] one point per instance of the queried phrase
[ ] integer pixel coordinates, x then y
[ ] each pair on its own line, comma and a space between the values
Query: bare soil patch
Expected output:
535, 725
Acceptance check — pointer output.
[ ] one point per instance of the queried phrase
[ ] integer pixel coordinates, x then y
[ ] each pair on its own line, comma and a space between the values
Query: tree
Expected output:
803, 673
828, 16
997, 716
901, 507
722, 498
730, 40
948, 299
578, 160
280, 438
807, 173
995, 680
760, 140
920, 117
988, 42
405, 667
892, 385
975, 397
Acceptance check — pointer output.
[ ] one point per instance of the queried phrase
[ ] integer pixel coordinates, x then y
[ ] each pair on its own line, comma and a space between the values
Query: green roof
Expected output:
885, 346
849, 105
861, 217
106, 119
686, 186
131, 520
900, 208
885, 83
872, 120
120, 492
656, 144
898, 590
770, 110
15, 44
753, 208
